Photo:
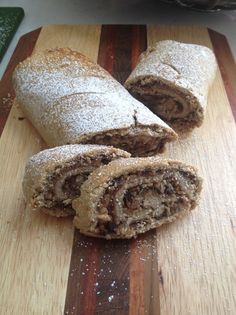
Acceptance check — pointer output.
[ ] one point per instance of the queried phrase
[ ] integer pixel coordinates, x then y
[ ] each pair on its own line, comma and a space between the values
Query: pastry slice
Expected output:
173, 79
70, 99
131, 196
53, 177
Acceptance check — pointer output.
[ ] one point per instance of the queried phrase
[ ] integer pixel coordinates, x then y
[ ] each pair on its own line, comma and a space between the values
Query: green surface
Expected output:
10, 19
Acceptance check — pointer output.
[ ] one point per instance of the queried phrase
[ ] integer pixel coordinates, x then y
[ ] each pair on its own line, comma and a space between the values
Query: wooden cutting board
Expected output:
187, 267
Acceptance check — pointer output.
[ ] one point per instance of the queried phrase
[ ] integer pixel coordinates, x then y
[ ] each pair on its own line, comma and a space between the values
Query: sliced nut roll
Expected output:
53, 177
173, 80
131, 196
70, 99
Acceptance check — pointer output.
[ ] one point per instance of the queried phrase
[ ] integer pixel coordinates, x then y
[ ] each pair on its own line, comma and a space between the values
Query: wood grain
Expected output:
196, 254
84, 38
185, 268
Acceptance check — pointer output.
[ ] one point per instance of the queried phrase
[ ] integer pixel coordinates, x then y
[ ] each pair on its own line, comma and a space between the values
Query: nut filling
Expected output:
140, 200
148, 142
179, 110
64, 184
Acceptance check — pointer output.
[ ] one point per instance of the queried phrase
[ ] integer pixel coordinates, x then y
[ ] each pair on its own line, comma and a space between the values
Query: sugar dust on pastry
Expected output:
173, 79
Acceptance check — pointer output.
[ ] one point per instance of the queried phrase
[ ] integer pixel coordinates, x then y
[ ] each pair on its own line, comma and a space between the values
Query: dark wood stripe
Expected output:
123, 52
114, 297
115, 50
82, 278
227, 66
139, 43
23, 49
106, 47
90, 278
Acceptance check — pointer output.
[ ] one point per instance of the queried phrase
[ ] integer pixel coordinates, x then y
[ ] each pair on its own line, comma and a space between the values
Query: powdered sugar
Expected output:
68, 98
187, 66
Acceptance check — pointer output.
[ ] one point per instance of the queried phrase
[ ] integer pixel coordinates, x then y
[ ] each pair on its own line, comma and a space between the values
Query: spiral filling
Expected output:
174, 107
138, 201
64, 183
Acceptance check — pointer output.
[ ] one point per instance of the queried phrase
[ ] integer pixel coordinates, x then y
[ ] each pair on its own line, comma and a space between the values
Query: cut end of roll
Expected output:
53, 177
132, 196
179, 108
173, 80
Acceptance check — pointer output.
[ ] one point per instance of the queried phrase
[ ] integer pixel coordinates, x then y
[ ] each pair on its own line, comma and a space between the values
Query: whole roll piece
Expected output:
131, 196
70, 99
53, 177
173, 79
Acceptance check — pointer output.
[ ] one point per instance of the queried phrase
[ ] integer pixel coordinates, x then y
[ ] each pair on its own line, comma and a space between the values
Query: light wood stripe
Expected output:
195, 254
84, 38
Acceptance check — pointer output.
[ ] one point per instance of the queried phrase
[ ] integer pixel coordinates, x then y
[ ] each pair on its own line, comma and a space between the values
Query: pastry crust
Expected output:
173, 79
53, 177
70, 99
131, 196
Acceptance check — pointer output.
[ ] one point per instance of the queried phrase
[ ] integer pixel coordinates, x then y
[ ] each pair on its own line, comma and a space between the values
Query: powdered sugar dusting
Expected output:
187, 66
43, 166
69, 99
